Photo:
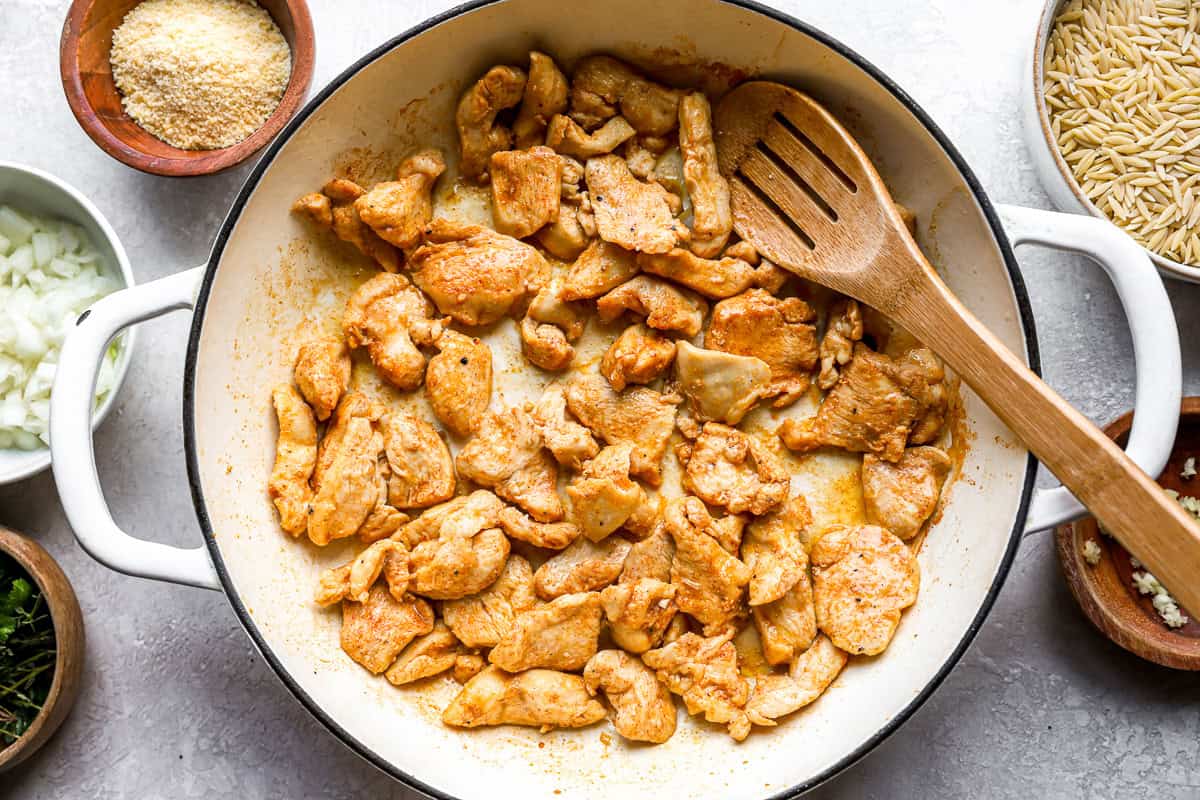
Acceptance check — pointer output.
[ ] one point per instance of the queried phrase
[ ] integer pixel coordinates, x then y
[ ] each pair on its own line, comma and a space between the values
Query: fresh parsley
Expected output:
27, 651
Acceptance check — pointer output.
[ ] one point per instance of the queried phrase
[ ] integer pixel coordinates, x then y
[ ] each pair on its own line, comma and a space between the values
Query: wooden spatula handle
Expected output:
1126, 501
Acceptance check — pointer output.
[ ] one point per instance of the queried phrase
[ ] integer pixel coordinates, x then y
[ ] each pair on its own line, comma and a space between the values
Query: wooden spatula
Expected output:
806, 196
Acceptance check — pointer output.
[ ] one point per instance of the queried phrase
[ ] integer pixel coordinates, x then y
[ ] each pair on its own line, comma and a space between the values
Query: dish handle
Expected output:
72, 454
1159, 372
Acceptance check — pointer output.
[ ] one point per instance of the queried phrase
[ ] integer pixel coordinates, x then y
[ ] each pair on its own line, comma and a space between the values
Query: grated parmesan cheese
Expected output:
200, 74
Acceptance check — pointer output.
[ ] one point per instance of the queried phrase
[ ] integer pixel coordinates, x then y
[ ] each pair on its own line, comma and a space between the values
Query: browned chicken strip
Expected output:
389, 317
736, 471
631, 213
422, 472
665, 306
787, 626
566, 136
545, 95
720, 386
773, 549
602, 495
704, 672
600, 268
428, 655
843, 328
295, 459
333, 208
550, 535
353, 405
902, 496
458, 381
507, 454
561, 634
710, 582
639, 355
349, 488
571, 443
526, 185
399, 210
377, 629
776, 696
641, 416
639, 612
479, 135
585, 566
642, 707
482, 620
713, 219
602, 85
539, 698
715, 279
322, 373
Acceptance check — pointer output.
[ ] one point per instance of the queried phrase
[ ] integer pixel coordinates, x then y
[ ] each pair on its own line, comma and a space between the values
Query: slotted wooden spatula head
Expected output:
806, 195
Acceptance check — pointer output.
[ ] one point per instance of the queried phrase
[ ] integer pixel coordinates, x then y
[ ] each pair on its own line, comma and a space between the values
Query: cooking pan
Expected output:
268, 281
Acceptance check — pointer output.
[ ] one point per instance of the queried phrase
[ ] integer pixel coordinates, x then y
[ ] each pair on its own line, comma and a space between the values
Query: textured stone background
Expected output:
175, 702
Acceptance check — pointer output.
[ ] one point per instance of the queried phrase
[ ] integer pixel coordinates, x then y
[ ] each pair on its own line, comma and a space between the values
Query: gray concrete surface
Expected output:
176, 704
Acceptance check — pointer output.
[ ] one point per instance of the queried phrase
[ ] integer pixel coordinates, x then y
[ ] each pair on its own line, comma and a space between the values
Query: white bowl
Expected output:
1052, 170
41, 193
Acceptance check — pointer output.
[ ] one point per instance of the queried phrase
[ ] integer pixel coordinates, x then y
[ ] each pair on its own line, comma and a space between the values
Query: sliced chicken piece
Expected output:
704, 672
735, 471
778, 331
458, 381
631, 213
936, 398
641, 160
526, 185
641, 416
602, 85
549, 327
428, 525
479, 135
551, 307
467, 666
295, 459
642, 707
550, 535
773, 549
354, 579
391, 319
665, 306
384, 519
728, 531
422, 472
545, 95
428, 655
771, 278
565, 238
377, 629
710, 582
507, 455
876, 403
349, 488
539, 698
399, 210
645, 518
483, 619
602, 495
545, 346
711, 278
566, 136
561, 634
639, 612
333, 208
720, 386
787, 626
650, 558
600, 268
863, 578
585, 566
333, 585
322, 374
472, 273
902, 496
713, 219
354, 405
776, 696
843, 328
571, 443
639, 355
451, 567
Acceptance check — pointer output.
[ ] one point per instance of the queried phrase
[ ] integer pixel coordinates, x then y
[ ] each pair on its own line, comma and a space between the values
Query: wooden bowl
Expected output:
1105, 591
94, 100
69, 639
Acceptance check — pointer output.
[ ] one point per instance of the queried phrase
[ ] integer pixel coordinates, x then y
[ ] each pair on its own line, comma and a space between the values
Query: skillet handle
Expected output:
72, 455
1159, 374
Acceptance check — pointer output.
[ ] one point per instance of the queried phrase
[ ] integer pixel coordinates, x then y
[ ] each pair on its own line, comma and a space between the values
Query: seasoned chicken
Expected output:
322, 374
641, 416
549, 327
539, 698
787, 626
641, 160
422, 472
451, 567
642, 707
295, 459
600, 268
773, 549
550, 535
526, 185
561, 634
711, 278
399, 210
650, 558
902, 496
349, 488
458, 381
467, 666
545, 95
354, 405
507, 455
472, 273
776, 696
704, 672
602, 85
483, 619
479, 135
712, 217
863, 577
737, 472
639, 612
377, 629
665, 307
551, 307
728, 531
391, 319
778, 331
842, 330
710, 582
428, 655
935, 399
876, 403
571, 443
566, 136
631, 213
602, 495
354, 579
384, 519
639, 355
585, 566
644, 519
333, 208
720, 386
567, 236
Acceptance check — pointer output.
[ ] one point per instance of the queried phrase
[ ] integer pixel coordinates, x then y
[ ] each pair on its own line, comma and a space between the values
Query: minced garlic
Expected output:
1091, 552
200, 74
1189, 469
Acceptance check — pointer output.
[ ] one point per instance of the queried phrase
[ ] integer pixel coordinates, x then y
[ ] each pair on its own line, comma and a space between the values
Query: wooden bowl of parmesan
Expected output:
185, 87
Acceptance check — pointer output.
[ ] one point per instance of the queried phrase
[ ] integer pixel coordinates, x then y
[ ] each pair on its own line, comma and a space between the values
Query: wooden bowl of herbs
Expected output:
41, 647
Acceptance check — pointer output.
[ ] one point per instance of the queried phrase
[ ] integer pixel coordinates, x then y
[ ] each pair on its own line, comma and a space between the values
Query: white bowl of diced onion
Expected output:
58, 255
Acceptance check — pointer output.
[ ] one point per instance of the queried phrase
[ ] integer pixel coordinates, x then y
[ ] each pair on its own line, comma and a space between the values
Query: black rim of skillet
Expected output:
269, 153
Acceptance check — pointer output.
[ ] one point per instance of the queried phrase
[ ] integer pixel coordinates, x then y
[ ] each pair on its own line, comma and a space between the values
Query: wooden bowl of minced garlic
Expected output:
185, 87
